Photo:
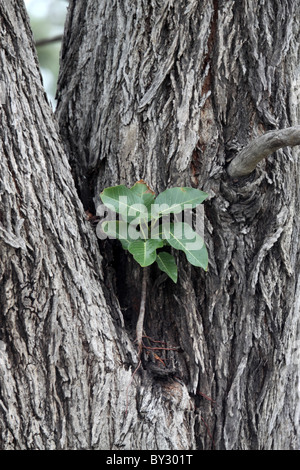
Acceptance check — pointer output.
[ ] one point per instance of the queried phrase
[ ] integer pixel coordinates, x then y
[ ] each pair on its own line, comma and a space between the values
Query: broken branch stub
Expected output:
245, 162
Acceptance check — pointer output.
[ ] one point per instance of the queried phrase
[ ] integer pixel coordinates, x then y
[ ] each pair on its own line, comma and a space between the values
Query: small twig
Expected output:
154, 340
161, 348
245, 161
140, 321
206, 397
208, 431
44, 42
175, 348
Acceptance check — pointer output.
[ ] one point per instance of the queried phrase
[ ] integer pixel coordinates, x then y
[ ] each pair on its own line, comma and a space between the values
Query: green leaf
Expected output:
144, 192
167, 264
147, 198
173, 200
144, 251
135, 206
182, 237
122, 200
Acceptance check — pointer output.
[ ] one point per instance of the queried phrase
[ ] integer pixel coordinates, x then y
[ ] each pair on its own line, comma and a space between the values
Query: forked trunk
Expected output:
169, 92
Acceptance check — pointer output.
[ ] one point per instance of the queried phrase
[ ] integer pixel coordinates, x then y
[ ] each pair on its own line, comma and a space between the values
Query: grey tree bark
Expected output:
169, 92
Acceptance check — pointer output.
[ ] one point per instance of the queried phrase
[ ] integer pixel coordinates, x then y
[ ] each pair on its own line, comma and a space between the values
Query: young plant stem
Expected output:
140, 321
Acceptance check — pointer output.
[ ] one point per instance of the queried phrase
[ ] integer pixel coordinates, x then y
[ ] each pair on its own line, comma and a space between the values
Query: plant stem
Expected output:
140, 321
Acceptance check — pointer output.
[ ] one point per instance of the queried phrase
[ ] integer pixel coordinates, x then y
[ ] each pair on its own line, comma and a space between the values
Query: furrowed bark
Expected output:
167, 92
178, 90
246, 161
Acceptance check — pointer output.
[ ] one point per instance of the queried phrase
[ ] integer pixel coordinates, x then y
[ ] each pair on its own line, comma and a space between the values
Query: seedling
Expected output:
148, 224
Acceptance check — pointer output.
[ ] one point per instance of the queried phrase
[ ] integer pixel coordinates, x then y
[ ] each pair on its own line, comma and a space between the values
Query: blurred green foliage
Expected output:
47, 19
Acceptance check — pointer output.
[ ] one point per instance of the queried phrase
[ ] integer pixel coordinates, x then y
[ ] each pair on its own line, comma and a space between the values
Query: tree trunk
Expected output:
169, 92
63, 350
